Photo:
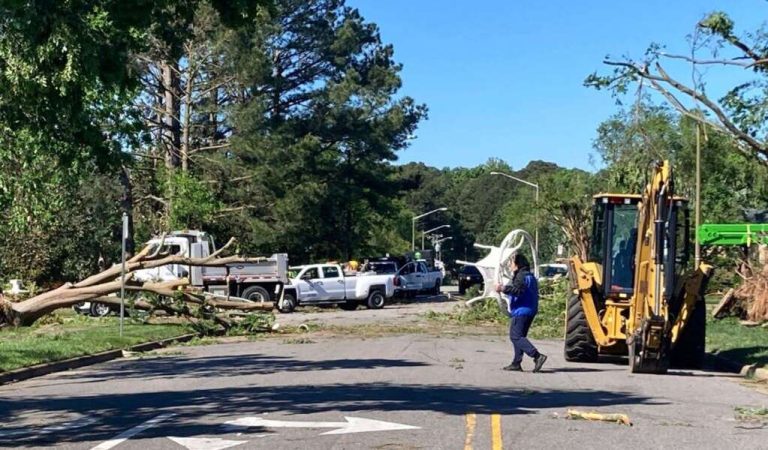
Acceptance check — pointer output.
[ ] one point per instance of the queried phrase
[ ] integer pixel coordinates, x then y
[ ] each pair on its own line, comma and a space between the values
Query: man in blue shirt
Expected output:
523, 298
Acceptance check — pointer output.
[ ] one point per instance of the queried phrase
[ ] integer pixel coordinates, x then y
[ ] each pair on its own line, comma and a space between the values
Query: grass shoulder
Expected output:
731, 340
67, 336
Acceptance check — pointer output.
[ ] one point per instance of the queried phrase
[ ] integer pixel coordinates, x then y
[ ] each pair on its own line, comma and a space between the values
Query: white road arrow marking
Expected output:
124, 436
205, 443
352, 425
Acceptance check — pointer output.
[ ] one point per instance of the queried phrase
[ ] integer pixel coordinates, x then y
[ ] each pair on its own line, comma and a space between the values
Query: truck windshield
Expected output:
331, 272
382, 267
167, 249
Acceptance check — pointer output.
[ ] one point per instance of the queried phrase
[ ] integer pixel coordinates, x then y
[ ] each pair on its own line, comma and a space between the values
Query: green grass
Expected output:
727, 338
68, 337
750, 414
549, 322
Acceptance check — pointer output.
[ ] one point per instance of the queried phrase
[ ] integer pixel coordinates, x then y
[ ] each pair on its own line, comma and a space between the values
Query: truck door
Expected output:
429, 276
411, 276
308, 288
333, 282
423, 276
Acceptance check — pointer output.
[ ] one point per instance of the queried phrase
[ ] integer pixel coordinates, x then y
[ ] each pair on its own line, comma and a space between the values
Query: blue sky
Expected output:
504, 78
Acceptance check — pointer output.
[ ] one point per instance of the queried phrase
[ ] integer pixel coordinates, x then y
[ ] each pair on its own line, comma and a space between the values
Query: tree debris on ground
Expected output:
751, 298
621, 419
176, 297
751, 414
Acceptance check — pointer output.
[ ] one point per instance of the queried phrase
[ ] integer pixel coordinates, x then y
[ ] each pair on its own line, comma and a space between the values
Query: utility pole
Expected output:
697, 246
413, 225
122, 274
424, 233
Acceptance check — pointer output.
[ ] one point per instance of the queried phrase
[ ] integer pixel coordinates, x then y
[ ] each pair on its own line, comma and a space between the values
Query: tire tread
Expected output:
580, 345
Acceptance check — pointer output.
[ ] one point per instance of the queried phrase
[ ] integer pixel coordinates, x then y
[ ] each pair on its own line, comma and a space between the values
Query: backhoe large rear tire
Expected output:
580, 345
688, 352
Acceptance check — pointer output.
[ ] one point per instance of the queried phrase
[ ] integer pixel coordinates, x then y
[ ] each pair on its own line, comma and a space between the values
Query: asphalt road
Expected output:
430, 391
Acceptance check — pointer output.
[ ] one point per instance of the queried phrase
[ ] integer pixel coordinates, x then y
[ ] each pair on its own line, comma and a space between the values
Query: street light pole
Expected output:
424, 233
413, 225
534, 185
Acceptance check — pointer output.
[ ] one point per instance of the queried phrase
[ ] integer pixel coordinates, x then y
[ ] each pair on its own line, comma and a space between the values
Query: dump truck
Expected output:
261, 281
635, 294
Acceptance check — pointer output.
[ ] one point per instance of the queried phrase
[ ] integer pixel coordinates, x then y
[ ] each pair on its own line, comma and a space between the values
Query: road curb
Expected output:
26, 373
746, 370
753, 372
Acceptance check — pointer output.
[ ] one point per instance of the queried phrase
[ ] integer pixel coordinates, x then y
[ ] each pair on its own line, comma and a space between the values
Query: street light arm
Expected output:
516, 179
534, 185
436, 228
428, 213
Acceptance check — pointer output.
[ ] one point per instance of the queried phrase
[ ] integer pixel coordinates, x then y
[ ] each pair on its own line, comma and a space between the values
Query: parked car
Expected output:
95, 309
552, 271
468, 276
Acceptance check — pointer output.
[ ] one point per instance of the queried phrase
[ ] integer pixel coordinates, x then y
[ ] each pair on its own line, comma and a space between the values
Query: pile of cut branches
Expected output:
749, 301
753, 295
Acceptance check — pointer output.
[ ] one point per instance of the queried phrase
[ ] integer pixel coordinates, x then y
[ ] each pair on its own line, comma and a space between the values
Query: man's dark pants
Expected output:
518, 332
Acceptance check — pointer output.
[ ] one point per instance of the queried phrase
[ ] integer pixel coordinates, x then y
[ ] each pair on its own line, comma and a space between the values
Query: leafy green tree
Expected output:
629, 142
67, 86
567, 202
740, 113
321, 127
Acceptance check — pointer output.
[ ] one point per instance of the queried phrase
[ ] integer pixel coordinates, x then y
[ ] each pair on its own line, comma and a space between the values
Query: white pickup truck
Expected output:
415, 277
318, 284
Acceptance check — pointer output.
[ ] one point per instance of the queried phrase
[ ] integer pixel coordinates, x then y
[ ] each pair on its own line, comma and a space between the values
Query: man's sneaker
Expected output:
538, 362
514, 367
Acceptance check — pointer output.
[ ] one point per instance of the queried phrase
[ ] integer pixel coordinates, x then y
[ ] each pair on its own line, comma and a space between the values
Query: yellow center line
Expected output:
496, 432
471, 421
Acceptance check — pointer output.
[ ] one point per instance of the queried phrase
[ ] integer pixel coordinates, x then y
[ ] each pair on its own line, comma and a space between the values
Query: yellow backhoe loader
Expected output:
634, 296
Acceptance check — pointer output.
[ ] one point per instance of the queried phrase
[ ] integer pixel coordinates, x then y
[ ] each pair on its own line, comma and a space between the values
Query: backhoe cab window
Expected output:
597, 249
623, 243
614, 239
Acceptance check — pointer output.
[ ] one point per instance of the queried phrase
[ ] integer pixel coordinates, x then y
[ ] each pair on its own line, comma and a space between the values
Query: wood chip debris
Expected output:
621, 419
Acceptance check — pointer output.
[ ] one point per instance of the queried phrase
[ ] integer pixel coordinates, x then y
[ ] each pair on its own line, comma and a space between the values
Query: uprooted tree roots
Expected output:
177, 297
751, 297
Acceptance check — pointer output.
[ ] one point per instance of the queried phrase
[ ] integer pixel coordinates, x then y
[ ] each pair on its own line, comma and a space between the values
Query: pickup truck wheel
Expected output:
99, 309
436, 289
256, 294
288, 305
462, 289
376, 300
348, 306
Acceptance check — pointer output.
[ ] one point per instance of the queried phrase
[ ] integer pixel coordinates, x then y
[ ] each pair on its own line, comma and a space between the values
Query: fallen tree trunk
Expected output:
99, 287
724, 304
